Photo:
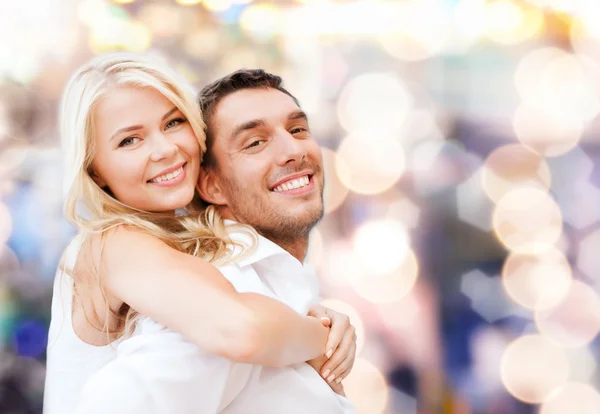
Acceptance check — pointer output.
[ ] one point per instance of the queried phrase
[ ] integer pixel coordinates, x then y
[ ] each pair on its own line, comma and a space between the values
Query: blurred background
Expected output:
461, 146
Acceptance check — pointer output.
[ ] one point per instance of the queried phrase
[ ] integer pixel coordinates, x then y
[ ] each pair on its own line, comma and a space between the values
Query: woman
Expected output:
134, 139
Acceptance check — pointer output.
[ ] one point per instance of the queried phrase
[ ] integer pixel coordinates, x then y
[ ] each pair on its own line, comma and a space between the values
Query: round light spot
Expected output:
388, 287
532, 367
381, 245
537, 281
514, 166
367, 167
545, 132
374, 100
509, 22
572, 398
527, 221
575, 320
366, 388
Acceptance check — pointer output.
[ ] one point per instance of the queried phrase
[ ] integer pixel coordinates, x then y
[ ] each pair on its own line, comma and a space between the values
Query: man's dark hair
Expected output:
211, 95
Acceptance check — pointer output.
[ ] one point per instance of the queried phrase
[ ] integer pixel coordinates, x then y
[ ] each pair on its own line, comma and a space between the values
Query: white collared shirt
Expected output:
157, 371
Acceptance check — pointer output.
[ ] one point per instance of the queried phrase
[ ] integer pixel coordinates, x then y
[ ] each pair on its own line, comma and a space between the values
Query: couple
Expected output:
142, 320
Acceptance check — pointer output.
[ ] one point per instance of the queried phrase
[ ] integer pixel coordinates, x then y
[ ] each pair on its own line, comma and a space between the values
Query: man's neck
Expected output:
296, 248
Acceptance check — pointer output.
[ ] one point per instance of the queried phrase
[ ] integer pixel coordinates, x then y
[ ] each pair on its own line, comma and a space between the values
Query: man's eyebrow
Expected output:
134, 127
254, 123
297, 115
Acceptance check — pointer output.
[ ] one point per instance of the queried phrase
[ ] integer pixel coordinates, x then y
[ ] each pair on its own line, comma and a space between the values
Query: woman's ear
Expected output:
209, 187
97, 179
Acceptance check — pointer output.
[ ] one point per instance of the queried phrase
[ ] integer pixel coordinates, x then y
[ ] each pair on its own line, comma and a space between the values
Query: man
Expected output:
263, 169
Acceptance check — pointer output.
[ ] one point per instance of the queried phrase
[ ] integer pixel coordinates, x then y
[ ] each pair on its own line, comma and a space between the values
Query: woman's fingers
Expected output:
343, 356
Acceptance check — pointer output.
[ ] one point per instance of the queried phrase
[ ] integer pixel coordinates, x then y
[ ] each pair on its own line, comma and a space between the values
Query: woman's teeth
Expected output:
168, 176
292, 184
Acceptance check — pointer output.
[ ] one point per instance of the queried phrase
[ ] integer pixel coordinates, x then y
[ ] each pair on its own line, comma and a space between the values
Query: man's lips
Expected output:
290, 182
301, 185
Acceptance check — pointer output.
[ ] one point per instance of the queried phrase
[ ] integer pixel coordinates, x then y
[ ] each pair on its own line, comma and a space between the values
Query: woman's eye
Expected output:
128, 141
174, 122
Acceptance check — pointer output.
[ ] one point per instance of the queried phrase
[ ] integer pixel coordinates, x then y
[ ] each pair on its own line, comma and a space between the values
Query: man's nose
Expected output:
290, 148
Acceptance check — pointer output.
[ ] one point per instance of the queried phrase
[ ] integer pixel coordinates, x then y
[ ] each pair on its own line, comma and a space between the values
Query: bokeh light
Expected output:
537, 281
423, 29
387, 287
527, 221
575, 320
389, 268
588, 259
532, 367
404, 210
583, 363
584, 32
261, 20
514, 166
30, 338
527, 76
164, 20
510, 22
367, 168
335, 191
376, 101
381, 245
572, 398
340, 264
366, 388
545, 132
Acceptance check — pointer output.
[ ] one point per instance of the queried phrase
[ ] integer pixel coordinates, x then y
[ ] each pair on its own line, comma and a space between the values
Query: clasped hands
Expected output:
340, 352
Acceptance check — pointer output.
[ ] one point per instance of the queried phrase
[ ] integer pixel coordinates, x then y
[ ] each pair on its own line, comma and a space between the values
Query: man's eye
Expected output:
174, 122
298, 130
128, 141
256, 143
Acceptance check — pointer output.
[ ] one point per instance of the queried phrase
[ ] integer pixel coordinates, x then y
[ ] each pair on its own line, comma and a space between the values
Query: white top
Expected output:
70, 361
158, 372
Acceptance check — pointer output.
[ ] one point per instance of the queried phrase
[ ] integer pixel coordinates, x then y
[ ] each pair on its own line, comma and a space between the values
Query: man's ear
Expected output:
209, 187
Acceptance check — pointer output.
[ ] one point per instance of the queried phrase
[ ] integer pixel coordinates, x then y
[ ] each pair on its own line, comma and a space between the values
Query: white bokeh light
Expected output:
374, 101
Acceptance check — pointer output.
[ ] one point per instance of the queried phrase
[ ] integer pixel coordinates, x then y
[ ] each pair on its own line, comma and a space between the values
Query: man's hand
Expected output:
340, 348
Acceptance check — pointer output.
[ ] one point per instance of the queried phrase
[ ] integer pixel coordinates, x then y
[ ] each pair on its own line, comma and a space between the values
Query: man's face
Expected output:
267, 163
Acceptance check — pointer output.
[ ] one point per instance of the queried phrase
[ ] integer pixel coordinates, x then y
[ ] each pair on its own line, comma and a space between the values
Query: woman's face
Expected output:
147, 153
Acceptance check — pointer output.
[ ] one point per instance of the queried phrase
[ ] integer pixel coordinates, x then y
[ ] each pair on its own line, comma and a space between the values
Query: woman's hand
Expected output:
341, 344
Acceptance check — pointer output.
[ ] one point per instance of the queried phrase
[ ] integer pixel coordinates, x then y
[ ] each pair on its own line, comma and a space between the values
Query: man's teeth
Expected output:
168, 177
292, 184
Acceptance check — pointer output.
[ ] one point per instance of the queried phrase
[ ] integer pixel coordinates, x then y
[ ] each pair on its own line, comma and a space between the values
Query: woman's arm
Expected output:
190, 296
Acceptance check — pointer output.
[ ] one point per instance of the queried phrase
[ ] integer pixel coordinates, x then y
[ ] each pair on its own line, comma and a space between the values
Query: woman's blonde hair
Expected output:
202, 233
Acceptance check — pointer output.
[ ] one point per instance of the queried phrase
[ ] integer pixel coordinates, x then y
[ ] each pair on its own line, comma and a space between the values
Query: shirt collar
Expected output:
265, 248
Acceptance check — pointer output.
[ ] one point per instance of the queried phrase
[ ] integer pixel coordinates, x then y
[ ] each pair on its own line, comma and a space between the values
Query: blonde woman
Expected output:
134, 139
